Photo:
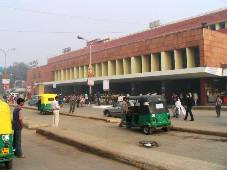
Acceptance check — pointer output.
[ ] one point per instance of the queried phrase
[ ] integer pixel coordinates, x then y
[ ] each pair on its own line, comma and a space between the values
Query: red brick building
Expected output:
187, 55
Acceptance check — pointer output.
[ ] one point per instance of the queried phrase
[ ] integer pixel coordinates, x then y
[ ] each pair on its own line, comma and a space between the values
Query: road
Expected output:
44, 154
203, 147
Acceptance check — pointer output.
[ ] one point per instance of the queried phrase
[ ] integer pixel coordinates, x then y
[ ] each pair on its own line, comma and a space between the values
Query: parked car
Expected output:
115, 110
33, 101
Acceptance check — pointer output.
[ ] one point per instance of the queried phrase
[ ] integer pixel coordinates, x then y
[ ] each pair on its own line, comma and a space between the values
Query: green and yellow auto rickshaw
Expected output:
45, 103
148, 112
6, 136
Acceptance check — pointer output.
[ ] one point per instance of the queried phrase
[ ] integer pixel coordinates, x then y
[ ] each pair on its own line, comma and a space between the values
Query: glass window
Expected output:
212, 27
222, 25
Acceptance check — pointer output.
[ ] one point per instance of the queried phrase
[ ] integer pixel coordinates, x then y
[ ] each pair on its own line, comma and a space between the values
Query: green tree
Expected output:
18, 71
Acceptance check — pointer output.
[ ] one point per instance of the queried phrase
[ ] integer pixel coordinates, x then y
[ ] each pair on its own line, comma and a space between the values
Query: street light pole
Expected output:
89, 67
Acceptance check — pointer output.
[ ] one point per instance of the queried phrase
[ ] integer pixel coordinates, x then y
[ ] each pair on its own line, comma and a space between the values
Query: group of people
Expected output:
77, 100
179, 109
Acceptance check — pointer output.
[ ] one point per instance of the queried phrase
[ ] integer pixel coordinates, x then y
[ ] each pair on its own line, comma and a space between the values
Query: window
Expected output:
212, 27
222, 25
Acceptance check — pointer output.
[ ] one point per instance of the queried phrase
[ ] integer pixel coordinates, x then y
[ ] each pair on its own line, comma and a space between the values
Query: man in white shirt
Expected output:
56, 110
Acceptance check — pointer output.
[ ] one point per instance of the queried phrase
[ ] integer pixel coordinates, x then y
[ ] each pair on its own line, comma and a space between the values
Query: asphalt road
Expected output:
202, 147
44, 154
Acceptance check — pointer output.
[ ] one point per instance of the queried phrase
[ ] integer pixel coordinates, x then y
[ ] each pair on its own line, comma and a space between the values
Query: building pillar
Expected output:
217, 26
190, 57
178, 57
62, 74
111, 68
105, 69
203, 91
155, 62
165, 61
136, 65
127, 66
98, 68
71, 73
76, 72
225, 24
85, 71
59, 75
81, 72
146, 64
41, 89
55, 75
119, 67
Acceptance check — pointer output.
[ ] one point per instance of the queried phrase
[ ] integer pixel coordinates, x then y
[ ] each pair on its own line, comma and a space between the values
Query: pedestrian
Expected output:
125, 111
218, 105
189, 104
18, 124
195, 98
72, 103
78, 101
56, 110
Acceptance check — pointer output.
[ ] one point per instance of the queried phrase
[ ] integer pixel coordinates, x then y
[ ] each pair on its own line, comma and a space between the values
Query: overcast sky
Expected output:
39, 29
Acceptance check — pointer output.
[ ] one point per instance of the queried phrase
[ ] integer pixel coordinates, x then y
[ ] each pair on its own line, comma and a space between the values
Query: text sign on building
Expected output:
90, 81
106, 85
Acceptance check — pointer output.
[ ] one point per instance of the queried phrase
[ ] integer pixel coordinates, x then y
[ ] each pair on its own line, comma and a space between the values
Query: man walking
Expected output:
56, 110
218, 105
125, 111
17, 127
189, 104
72, 102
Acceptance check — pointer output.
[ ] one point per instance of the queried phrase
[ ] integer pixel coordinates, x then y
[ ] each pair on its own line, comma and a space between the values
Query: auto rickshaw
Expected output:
6, 136
149, 112
45, 106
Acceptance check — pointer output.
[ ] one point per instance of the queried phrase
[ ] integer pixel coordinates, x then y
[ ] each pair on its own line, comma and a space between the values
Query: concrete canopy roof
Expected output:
189, 73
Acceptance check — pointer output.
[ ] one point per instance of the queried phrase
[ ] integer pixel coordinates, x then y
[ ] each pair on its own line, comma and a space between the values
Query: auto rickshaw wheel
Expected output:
9, 164
146, 130
166, 129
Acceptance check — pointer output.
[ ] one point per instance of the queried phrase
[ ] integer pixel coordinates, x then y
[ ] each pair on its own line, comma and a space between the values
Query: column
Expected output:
62, 75
146, 64
55, 75
105, 69
165, 61
111, 68
136, 65
127, 66
76, 72
178, 56
155, 62
81, 72
41, 89
71, 73
217, 26
119, 67
85, 71
98, 69
203, 91
225, 24
59, 75
190, 57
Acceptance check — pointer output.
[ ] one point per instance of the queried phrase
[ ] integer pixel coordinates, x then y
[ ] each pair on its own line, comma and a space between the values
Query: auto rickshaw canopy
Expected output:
5, 118
47, 98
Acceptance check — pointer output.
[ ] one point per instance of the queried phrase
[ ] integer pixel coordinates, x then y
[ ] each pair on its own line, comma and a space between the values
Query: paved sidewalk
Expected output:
205, 122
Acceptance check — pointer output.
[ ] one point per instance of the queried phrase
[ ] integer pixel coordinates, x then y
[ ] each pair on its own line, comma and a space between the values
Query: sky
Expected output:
40, 29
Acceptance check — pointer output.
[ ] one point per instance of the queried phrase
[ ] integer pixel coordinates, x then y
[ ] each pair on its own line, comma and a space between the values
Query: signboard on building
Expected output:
90, 81
54, 85
106, 85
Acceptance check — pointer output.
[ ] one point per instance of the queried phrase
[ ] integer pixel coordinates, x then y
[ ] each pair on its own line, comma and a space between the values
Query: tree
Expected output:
18, 71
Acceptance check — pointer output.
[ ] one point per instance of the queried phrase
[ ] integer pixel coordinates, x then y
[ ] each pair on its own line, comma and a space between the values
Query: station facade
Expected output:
188, 55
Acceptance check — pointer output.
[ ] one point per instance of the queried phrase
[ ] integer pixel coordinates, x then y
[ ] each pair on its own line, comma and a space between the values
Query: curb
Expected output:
198, 131
85, 142
144, 165
115, 120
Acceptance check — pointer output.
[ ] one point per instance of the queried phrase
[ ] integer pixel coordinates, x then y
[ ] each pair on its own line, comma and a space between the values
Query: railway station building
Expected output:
189, 55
